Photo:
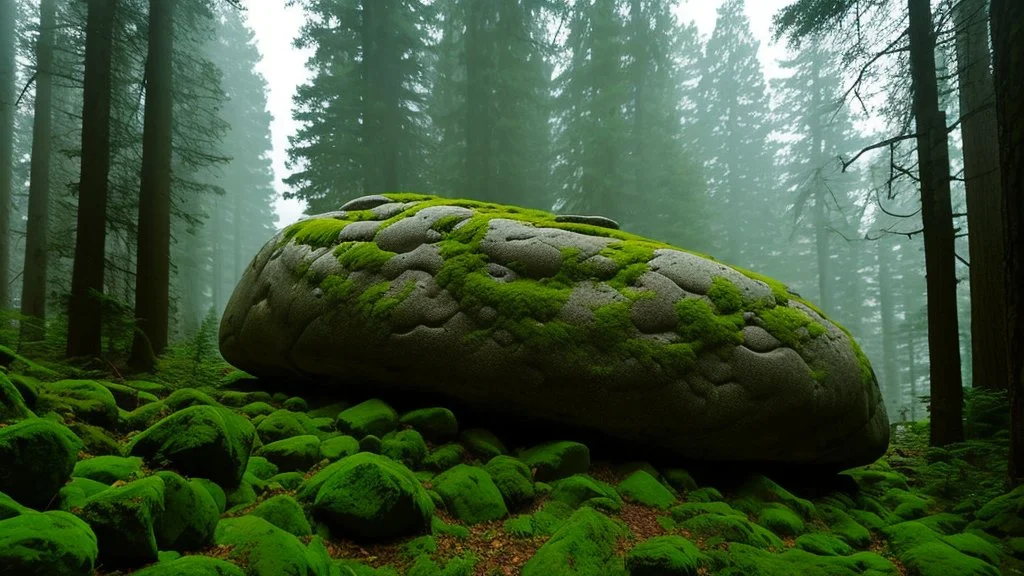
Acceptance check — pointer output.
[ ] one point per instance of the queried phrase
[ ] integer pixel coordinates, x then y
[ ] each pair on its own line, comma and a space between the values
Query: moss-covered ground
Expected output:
917, 511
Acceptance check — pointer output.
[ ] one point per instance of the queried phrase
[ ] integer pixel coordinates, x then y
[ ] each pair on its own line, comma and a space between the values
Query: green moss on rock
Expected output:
264, 549
513, 479
470, 495
405, 446
191, 566
285, 513
583, 546
482, 443
38, 458
435, 424
556, 460
645, 489
298, 453
108, 469
665, 556
47, 544
372, 417
123, 519
189, 515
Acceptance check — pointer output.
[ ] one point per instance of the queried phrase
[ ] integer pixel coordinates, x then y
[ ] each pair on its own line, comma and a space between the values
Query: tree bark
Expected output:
937, 222
84, 309
8, 95
33, 286
984, 195
1008, 71
478, 102
886, 301
152, 271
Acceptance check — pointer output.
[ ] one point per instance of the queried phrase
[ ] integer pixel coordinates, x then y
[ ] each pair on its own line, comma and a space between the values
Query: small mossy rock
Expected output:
435, 424
128, 398
261, 468
679, 479
328, 410
27, 386
470, 495
925, 552
86, 399
715, 528
706, 494
845, 527
285, 513
743, 560
200, 441
215, 492
283, 424
823, 544
442, 292
370, 418
944, 523
336, 448
9, 508
191, 566
557, 460
482, 443
642, 488
76, 493
12, 404
371, 444
38, 457
584, 546
242, 496
665, 556
188, 397
513, 479
763, 489
367, 496
123, 519
295, 404
1003, 515
108, 469
781, 520
289, 480
254, 409
190, 515
52, 543
95, 439
688, 510
580, 489
264, 549
299, 453
445, 457
405, 446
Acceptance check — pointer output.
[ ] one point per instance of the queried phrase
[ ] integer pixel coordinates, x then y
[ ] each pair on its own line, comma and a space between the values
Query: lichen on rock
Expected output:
517, 310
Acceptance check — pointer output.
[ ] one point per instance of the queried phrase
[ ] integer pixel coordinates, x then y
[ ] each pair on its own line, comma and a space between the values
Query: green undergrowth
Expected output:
918, 511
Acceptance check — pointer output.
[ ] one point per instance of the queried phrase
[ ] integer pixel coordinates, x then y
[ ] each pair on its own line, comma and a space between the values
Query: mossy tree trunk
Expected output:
33, 286
984, 194
8, 49
84, 316
152, 271
937, 223
1008, 45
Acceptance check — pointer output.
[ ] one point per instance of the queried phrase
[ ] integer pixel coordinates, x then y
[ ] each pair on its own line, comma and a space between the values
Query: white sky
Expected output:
276, 25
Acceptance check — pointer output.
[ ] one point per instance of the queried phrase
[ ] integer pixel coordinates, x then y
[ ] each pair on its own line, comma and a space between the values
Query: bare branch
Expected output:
875, 146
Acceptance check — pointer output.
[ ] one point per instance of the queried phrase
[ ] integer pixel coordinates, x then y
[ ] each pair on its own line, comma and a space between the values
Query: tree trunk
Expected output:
1008, 51
152, 271
937, 221
33, 287
984, 195
890, 370
84, 309
640, 32
478, 102
8, 95
217, 265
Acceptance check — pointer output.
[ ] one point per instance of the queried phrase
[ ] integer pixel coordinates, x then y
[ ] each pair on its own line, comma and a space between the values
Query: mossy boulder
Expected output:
405, 446
470, 495
584, 546
338, 447
744, 560
367, 497
88, 400
190, 515
642, 488
511, 310
12, 403
47, 544
77, 492
298, 453
203, 441
38, 457
581, 489
285, 513
556, 460
665, 556
928, 553
513, 479
435, 424
192, 566
123, 519
1004, 515
371, 418
264, 549
445, 456
282, 424
108, 469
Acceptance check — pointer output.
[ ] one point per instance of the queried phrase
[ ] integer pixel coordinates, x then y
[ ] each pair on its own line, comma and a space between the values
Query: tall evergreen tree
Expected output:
84, 317
735, 131
362, 114
33, 288
8, 50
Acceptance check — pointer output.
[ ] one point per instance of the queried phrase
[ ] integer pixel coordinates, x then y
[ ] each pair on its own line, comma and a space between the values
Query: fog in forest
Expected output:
809, 173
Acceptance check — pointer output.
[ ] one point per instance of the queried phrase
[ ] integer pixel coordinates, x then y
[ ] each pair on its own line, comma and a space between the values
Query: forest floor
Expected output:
917, 511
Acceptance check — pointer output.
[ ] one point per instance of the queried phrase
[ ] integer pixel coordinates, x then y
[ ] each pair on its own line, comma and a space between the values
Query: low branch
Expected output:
875, 146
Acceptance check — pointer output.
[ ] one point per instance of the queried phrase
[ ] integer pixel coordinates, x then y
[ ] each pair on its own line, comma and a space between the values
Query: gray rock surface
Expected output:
510, 309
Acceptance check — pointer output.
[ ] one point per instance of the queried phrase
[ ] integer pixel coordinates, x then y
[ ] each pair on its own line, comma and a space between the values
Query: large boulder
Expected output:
511, 310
